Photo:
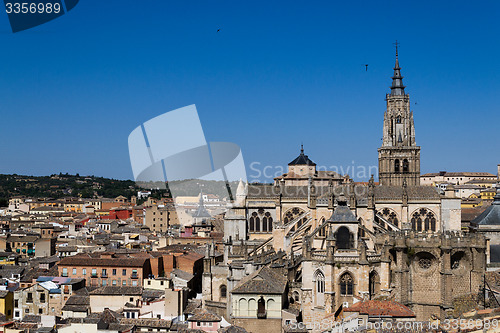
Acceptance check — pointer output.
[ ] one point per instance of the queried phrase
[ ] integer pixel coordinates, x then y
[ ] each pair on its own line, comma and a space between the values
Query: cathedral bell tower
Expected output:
399, 156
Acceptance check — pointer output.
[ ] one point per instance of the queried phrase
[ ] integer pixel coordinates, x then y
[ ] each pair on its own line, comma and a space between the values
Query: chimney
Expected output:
449, 192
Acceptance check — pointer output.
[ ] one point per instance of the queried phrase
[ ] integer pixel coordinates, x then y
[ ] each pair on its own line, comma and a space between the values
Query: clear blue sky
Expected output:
277, 74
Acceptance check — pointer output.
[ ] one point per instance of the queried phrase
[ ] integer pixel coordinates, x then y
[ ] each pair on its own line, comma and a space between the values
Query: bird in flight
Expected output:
218, 30
366, 66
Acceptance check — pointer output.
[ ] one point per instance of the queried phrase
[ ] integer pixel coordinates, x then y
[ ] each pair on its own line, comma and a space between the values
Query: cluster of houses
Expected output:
95, 265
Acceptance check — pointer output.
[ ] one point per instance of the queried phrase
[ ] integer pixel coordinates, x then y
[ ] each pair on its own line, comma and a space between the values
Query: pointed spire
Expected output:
397, 88
240, 191
201, 212
302, 159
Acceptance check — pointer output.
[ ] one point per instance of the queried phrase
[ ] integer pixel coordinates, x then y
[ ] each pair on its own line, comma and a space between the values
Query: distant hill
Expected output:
63, 185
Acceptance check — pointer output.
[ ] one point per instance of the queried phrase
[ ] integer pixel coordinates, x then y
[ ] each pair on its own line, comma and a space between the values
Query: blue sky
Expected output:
276, 75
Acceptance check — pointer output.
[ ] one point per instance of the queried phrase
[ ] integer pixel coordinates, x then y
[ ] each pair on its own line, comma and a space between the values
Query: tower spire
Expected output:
397, 88
399, 156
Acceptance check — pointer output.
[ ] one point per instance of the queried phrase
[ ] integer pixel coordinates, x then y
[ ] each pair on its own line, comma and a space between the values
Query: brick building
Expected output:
106, 270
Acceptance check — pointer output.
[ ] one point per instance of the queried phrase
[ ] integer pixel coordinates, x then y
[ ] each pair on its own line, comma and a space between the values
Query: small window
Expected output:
124, 272
74, 271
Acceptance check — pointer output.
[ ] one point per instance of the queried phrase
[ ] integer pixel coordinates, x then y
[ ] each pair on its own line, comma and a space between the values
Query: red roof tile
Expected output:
375, 308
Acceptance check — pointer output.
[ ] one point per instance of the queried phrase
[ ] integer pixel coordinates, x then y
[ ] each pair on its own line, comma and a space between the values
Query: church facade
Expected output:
338, 241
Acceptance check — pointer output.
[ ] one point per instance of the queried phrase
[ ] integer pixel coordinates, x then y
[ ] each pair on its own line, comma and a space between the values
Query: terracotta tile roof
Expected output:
459, 174
414, 192
204, 315
376, 308
88, 261
232, 329
192, 306
469, 214
183, 275
111, 290
146, 322
263, 281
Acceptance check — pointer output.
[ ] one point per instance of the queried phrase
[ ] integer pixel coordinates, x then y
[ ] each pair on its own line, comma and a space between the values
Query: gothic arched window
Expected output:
396, 166
291, 215
254, 222
398, 120
374, 284
346, 285
320, 281
251, 222
423, 220
390, 216
267, 222
406, 166
322, 231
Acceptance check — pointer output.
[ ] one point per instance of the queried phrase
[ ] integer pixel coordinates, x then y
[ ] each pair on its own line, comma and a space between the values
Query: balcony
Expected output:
134, 276
262, 315
104, 275
93, 275
64, 274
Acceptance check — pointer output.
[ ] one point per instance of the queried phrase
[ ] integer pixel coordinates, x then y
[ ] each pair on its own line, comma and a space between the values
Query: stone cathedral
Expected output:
335, 241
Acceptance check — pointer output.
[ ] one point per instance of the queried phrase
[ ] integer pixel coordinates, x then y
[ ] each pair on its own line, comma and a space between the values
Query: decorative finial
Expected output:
302, 148
396, 44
